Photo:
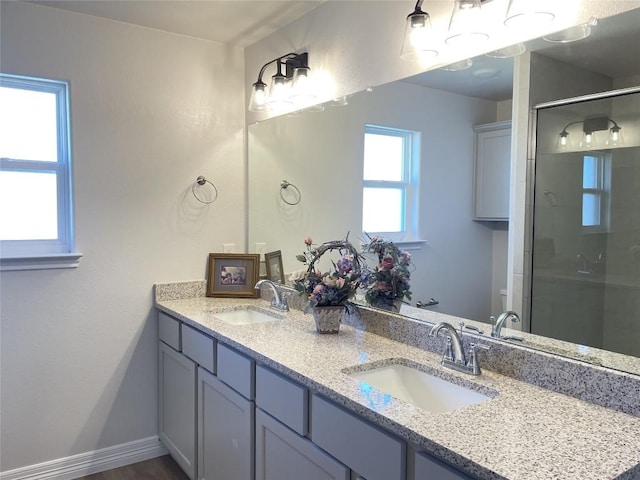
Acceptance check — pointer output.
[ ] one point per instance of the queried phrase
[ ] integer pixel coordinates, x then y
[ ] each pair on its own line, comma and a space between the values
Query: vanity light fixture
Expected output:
528, 14
418, 36
291, 85
465, 26
589, 128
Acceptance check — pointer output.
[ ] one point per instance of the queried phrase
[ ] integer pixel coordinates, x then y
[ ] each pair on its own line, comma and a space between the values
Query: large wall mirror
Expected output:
460, 261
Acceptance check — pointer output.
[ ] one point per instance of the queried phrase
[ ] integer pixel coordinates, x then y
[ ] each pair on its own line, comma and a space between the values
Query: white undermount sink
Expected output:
247, 316
418, 388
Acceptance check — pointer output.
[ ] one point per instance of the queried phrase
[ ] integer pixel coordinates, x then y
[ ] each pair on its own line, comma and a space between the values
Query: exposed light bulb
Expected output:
418, 37
258, 100
615, 136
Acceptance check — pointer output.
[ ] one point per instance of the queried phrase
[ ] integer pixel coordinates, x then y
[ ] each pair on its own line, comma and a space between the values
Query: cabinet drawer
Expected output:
169, 330
429, 468
283, 399
374, 454
199, 347
236, 370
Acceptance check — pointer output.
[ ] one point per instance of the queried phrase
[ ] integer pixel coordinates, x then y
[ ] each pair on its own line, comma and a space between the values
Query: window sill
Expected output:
40, 262
406, 244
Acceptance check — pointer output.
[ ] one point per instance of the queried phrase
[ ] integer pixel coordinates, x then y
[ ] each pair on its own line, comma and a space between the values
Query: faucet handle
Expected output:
473, 365
448, 355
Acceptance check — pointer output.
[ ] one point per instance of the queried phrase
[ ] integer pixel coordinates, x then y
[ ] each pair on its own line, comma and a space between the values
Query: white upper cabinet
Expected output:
492, 169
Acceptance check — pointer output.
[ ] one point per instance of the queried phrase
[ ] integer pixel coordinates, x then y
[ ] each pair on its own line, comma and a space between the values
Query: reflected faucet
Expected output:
496, 327
279, 302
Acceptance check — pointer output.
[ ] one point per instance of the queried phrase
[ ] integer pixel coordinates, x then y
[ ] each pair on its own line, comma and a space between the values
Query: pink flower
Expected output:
308, 241
340, 282
382, 286
387, 263
318, 289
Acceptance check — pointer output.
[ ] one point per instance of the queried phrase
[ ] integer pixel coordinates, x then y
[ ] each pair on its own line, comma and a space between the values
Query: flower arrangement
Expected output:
388, 283
331, 288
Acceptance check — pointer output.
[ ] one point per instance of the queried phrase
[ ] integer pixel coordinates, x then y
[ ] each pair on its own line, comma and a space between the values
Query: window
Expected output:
390, 183
35, 174
594, 181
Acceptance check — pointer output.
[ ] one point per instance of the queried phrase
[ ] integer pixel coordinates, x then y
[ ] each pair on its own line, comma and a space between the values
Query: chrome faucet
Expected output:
453, 356
279, 302
454, 352
496, 327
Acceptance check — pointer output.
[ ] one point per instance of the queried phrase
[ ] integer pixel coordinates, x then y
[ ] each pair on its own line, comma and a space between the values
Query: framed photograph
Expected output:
233, 275
273, 264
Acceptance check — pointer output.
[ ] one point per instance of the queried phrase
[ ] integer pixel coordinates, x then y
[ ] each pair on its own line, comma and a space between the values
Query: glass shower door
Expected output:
585, 284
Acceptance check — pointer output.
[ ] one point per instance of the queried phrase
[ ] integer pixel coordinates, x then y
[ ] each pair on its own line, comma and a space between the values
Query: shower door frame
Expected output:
530, 186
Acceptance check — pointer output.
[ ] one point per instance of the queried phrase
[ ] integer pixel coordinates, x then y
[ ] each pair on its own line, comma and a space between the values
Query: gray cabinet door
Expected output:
177, 407
281, 454
429, 468
225, 431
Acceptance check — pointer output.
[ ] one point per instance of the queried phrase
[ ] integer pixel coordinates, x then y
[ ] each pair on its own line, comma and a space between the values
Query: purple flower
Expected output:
405, 258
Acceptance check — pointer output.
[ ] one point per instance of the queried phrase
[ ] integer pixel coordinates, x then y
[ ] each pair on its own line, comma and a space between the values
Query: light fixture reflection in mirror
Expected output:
508, 52
527, 14
458, 66
572, 34
590, 127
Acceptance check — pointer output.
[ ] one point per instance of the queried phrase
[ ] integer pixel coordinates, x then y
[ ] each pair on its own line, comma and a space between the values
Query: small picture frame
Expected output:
273, 266
233, 275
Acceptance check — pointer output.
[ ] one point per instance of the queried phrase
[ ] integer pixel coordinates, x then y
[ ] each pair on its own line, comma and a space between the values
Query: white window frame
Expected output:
59, 252
602, 191
409, 184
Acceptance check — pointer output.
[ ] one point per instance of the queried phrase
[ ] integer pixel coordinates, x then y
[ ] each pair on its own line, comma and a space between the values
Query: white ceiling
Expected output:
234, 22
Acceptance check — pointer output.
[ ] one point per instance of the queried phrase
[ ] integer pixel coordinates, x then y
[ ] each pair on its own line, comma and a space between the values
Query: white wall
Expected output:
321, 153
150, 112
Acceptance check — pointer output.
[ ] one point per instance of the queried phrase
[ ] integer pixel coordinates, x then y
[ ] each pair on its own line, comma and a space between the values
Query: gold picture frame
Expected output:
273, 266
233, 275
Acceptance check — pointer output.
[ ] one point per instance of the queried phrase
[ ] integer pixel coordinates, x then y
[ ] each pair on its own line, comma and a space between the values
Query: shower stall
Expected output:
585, 265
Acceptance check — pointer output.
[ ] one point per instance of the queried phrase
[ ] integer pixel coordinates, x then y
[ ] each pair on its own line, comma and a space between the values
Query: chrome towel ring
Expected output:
283, 186
200, 182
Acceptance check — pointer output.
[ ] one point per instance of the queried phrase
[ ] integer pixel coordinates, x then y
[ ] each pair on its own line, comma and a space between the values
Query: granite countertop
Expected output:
524, 432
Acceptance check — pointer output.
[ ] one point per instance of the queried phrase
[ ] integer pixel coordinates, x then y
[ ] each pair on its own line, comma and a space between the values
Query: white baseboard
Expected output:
90, 462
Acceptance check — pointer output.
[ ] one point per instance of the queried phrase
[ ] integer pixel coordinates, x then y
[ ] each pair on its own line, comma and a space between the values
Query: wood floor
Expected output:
160, 468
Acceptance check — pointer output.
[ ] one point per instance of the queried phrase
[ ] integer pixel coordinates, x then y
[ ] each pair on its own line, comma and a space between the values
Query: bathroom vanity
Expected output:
274, 391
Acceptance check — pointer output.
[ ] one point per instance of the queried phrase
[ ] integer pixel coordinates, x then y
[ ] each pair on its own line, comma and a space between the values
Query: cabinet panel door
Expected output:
492, 174
428, 468
177, 407
225, 431
283, 455
372, 452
